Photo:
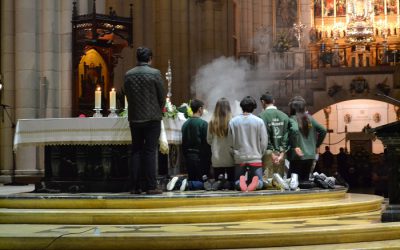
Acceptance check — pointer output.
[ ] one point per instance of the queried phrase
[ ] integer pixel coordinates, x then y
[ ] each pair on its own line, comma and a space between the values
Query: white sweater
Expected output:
248, 137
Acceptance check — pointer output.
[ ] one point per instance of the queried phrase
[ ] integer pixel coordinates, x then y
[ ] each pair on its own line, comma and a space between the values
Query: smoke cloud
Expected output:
226, 77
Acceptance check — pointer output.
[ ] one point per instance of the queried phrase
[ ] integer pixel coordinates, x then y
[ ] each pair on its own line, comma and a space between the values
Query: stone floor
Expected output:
348, 230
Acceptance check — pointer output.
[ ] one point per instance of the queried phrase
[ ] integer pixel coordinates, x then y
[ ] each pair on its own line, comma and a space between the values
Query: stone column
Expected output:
26, 76
219, 28
246, 29
65, 53
163, 29
306, 16
101, 7
179, 59
128, 54
83, 7
207, 36
194, 38
7, 93
257, 17
163, 35
49, 57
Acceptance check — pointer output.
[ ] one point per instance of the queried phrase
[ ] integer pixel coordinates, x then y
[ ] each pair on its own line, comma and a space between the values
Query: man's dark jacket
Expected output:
144, 90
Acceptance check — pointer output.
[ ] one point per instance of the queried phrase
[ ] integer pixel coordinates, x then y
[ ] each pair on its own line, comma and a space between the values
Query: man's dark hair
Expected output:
248, 104
143, 54
297, 105
267, 98
195, 105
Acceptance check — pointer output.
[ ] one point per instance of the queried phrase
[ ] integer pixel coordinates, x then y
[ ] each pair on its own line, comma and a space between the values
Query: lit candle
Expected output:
97, 98
126, 103
112, 98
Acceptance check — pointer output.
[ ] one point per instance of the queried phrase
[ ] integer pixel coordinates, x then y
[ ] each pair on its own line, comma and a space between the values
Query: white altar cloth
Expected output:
84, 131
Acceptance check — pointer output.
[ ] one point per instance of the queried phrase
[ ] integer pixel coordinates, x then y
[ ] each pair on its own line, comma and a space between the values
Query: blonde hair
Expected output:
218, 124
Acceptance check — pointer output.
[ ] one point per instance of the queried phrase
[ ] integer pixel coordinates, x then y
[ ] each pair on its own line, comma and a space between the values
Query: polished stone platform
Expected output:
306, 219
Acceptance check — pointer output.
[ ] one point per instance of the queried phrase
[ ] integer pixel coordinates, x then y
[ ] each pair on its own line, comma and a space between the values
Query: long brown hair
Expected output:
298, 108
218, 124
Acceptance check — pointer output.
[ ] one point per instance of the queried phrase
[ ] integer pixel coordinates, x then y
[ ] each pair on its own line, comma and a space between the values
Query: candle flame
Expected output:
112, 89
98, 88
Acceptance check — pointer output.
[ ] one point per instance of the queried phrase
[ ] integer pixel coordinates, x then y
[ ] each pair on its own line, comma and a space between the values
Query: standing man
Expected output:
277, 124
327, 161
145, 93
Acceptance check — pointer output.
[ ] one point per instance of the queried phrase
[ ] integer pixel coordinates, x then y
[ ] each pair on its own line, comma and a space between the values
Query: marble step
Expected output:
166, 199
354, 231
257, 209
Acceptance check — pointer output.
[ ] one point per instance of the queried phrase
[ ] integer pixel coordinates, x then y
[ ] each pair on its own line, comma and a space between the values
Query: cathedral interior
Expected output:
62, 59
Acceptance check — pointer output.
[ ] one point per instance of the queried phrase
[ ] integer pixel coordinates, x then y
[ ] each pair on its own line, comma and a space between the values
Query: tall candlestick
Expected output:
126, 103
385, 11
97, 98
168, 76
112, 98
322, 17
398, 14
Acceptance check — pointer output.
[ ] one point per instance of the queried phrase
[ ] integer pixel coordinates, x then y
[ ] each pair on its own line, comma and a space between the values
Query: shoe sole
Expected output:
253, 185
242, 183
279, 182
171, 183
183, 185
294, 183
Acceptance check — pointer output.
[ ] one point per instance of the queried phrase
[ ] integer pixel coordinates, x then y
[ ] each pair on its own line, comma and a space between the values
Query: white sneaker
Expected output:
279, 182
323, 176
171, 183
184, 185
331, 182
294, 181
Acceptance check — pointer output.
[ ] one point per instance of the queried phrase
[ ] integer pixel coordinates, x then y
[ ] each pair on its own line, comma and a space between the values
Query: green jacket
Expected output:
277, 124
194, 137
307, 144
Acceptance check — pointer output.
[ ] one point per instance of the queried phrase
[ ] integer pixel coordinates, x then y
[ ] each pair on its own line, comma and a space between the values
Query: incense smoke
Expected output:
226, 77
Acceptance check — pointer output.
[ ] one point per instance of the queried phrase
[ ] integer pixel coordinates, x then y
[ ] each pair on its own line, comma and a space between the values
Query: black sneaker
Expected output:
208, 185
226, 185
217, 185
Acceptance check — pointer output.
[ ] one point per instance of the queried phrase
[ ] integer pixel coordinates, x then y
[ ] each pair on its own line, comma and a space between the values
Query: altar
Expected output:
88, 154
